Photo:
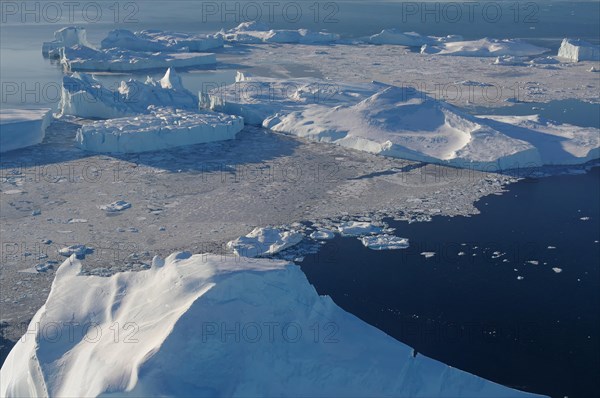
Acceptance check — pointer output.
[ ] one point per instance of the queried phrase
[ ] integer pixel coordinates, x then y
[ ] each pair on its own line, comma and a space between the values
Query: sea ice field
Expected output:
198, 205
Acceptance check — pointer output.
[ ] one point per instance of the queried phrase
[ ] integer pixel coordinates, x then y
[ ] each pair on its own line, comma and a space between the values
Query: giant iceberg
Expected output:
86, 97
484, 48
66, 37
20, 128
80, 58
209, 325
158, 40
579, 50
162, 128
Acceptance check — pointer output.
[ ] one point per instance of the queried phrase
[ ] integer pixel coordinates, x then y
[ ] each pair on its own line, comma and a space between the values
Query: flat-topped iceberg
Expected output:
20, 128
209, 325
66, 37
484, 48
384, 242
410, 39
256, 32
162, 128
158, 40
264, 241
579, 50
86, 97
80, 58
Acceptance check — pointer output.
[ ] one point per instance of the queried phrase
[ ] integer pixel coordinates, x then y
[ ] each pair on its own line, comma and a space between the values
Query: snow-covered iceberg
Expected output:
81, 58
256, 32
86, 97
20, 128
162, 128
484, 48
579, 50
264, 241
410, 39
158, 40
66, 37
208, 325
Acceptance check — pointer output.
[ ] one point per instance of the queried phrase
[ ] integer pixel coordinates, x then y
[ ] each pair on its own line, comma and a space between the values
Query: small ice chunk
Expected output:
78, 250
427, 254
384, 242
118, 205
557, 270
533, 262
357, 228
322, 234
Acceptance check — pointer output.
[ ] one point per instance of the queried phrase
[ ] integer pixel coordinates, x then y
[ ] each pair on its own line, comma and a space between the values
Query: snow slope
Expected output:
20, 128
66, 37
484, 48
256, 32
161, 128
208, 325
158, 40
86, 97
579, 50
80, 58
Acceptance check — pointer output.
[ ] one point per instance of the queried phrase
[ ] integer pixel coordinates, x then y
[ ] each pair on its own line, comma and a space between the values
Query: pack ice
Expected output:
579, 50
162, 128
256, 32
484, 48
66, 37
86, 97
208, 325
158, 40
81, 58
401, 122
20, 128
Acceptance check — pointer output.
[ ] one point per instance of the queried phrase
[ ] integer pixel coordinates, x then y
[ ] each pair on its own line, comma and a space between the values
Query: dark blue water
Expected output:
503, 318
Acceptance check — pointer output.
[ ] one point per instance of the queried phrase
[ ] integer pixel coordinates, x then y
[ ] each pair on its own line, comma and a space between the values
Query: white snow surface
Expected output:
264, 241
86, 97
484, 48
20, 128
384, 242
160, 129
66, 37
158, 40
172, 322
579, 50
256, 33
80, 58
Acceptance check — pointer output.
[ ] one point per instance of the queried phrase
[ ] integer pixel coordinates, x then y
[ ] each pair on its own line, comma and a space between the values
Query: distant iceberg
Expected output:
158, 40
84, 96
211, 325
410, 39
162, 128
256, 32
65, 37
20, 128
579, 50
484, 48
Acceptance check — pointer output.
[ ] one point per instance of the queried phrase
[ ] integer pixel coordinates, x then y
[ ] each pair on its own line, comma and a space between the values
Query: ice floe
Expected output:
264, 241
428, 254
85, 59
484, 48
322, 234
410, 39
579, 50
358, 228
384, 242
66, 37
20, 128
135, 333
160, 129
255, 32
86, 97
157, 40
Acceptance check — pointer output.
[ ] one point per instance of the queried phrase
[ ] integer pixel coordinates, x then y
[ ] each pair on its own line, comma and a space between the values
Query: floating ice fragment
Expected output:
118, 205
384, 242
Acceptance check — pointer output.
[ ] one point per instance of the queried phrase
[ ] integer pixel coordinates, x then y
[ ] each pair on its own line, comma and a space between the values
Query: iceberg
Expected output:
578, 50
256, 32
66, 37
484, 48
158, 40
162, 128
20, 128
409, 39
264, 241
384, 242
84, 96
358, 228
208, 325
80, 58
